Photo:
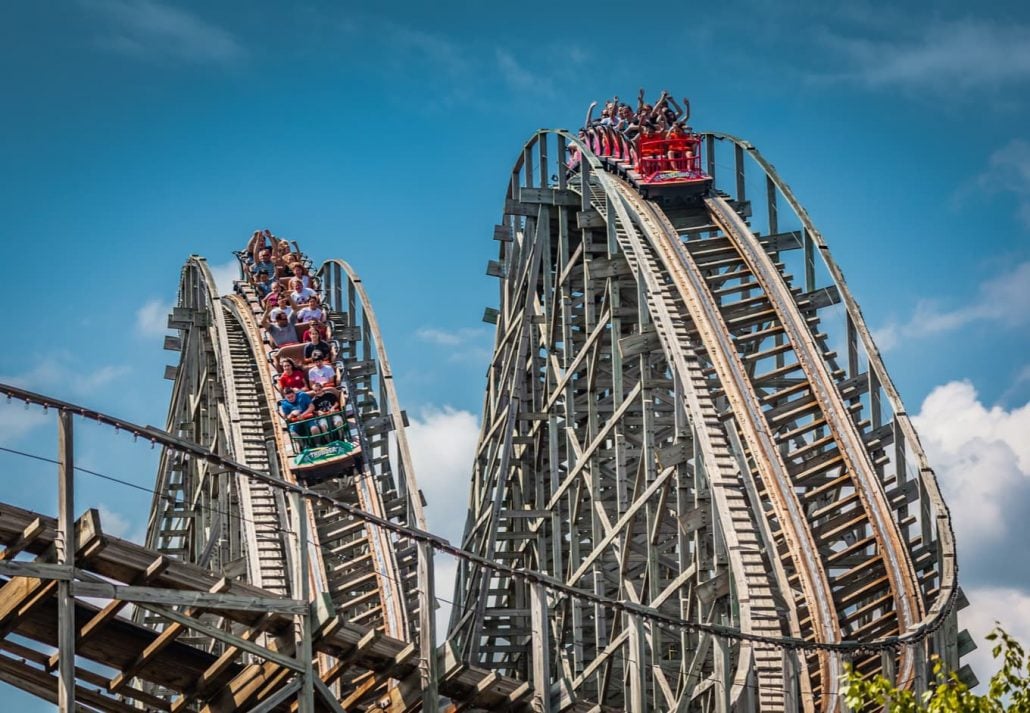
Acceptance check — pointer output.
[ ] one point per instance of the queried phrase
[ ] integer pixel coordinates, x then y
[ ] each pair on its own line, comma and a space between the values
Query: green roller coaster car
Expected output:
323, 454
316, 459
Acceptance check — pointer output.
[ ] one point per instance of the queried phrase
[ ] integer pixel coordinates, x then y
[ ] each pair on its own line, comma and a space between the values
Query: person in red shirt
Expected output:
292, 377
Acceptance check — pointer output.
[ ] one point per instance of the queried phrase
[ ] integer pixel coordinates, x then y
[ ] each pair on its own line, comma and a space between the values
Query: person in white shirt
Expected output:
313, 312
321, 373
300, 294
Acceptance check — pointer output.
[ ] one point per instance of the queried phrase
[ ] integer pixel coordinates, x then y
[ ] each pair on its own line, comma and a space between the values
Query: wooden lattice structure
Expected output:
696, 489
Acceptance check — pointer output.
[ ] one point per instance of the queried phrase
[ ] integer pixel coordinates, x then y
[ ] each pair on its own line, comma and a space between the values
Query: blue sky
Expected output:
135, 133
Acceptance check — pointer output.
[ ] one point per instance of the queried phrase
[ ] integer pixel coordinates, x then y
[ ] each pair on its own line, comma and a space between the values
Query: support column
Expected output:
541, 648
306, 694
887, 665
65, 556
791, 700
428, 664
635, 664
919, 661
723, 674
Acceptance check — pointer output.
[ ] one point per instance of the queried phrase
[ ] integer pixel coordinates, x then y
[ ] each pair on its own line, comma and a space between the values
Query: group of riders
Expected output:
313, 399
654, 137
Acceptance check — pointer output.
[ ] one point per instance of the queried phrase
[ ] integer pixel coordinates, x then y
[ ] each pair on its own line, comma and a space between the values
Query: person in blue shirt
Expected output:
264, 265
296, 406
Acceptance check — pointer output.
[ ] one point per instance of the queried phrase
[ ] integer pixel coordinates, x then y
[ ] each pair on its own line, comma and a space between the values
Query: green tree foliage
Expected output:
1009, 689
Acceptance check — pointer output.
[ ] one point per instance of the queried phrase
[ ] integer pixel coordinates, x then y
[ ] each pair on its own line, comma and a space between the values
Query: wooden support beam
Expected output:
109, 612
548, 196
589, 219
19, 597
328, 697
263, 684
26, 538
541, 661
43, 685
367, 683
65, 550
166, 637
220, 666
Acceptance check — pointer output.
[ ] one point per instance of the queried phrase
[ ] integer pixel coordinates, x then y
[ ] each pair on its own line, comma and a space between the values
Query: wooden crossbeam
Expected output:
166, 637
84, 675
483, 685
344, 661
220, 666
19, 597
109, 612
26, 538
366, 684
44, 685
245, 686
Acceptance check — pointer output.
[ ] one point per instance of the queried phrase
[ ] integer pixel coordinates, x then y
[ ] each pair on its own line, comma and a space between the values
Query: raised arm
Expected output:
590, 113
252, 244
658, 105
676, 107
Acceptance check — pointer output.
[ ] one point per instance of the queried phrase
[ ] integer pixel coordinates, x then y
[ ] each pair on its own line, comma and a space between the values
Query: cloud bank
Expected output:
982, 458
443, 443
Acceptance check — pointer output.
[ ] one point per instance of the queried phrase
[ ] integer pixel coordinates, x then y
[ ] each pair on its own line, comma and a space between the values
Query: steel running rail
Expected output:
851, 449
719, 350
407, 482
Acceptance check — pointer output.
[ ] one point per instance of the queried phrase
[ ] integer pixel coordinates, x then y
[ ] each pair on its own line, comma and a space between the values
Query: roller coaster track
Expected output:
658, 373
682, 498
758, 606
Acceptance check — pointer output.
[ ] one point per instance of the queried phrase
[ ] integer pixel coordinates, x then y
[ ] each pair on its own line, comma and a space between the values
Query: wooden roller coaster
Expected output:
695, 489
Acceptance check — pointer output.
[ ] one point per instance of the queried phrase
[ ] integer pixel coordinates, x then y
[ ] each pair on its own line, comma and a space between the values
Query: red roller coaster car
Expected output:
650, 160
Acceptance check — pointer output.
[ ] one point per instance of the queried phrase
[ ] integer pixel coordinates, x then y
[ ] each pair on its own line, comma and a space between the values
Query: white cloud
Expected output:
113, 523
1008, 607
468, 344
148, 29
1008, 171
451, 338
1004, 298
152, 318
224, 275
969, 54
446, 570
982, 458
60, 371
443, 445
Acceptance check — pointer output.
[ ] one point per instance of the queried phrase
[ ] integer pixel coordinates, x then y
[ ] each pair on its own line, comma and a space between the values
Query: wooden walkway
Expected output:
123, 664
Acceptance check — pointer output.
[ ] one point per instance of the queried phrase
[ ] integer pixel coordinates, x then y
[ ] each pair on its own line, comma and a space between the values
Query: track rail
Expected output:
263, 509
935, 520
357, 564
675, 325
